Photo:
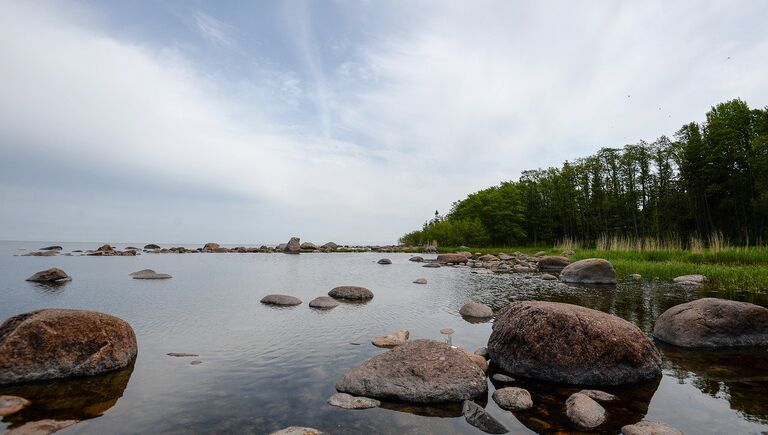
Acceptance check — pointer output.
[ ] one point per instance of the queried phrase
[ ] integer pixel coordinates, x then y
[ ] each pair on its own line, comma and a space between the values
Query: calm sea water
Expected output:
266, 368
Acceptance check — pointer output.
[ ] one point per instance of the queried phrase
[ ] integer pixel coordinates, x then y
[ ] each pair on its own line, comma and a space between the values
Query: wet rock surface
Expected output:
41, 427
571, 344
420, 371
712, 322
59, 343
477, 416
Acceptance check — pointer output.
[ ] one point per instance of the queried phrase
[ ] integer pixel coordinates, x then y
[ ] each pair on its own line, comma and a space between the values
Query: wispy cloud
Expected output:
213, 30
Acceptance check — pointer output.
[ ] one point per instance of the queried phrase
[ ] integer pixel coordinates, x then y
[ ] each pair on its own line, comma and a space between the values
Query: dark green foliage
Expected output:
713, 178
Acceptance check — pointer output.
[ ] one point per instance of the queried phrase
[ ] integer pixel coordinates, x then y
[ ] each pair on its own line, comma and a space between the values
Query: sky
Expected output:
347, 121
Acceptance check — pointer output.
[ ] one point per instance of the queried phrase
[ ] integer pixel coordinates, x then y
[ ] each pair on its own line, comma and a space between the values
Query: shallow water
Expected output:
266, 368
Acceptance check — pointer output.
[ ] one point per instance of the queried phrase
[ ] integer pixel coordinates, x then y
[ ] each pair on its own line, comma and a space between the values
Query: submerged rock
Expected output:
416, 259
385, 261
474, 309
182, 354
52, 275
584, 412
59, 343
712, 322
351, 292
12, 404
589, 271
435, 265
278, 299
477, 416
420, 281
391, 340
346, 401
513, 399
600, 396
420, 371
647, 427
323, 302
149, 274
504, 379
567, 343
40, 254
41, 427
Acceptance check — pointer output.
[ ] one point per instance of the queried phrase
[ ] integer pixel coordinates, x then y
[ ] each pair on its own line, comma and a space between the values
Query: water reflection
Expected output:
739, 375
70, 399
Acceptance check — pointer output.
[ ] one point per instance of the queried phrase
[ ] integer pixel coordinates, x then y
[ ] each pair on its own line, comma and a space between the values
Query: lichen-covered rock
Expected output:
52, 275
351, 292
571, 344
712, 322
420, 371
278, 299
59, 343
589, 271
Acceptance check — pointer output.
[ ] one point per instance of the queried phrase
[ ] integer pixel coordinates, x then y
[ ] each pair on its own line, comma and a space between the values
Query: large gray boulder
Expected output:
293, 246
567, 343
420, 371
712, 322
58, 343
589, 271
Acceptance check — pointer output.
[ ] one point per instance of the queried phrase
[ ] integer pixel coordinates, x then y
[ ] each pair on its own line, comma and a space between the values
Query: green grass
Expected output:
733, 269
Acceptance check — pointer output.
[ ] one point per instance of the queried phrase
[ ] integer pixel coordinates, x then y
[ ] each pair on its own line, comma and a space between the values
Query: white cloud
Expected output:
471, 95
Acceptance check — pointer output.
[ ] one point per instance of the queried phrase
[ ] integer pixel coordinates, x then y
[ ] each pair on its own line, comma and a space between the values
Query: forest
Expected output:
709, 182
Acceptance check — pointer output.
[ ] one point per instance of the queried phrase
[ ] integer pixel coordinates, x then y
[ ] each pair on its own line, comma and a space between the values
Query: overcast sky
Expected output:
250, 122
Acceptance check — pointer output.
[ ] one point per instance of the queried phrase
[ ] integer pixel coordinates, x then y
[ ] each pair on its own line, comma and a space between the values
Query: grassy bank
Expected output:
731, 269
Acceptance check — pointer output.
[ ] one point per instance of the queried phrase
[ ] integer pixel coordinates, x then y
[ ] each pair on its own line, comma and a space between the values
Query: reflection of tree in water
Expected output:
77, 398
739, 376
